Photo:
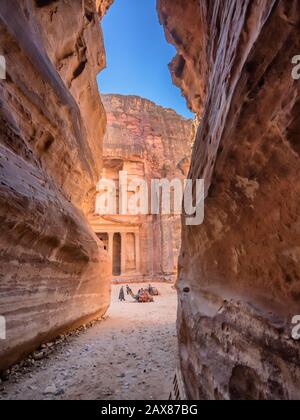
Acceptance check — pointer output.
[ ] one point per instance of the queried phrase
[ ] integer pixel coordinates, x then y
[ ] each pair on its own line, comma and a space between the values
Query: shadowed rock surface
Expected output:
242, 265
54, 272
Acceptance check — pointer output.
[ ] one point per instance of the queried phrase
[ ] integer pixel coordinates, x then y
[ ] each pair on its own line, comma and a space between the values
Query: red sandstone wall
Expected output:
242, 264
54, 272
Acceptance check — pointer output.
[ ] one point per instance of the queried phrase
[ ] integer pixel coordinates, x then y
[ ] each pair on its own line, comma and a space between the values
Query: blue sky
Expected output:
138, 55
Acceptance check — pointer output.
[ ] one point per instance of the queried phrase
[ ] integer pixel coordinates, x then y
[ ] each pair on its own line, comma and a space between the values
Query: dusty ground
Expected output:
131, 355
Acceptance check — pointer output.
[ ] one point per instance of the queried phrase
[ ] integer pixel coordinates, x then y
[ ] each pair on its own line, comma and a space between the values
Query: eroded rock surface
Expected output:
242, 265
138, 125
54, 272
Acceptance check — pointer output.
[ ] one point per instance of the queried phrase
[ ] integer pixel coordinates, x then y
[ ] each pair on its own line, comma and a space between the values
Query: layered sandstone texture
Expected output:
54, 272
139, 126
239, 280
148, 142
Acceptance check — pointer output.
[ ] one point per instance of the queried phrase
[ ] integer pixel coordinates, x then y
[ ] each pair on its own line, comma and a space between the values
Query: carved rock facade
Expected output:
148, 142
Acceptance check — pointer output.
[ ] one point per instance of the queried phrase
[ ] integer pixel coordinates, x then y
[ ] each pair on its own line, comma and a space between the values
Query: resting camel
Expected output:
142, 297
153, 291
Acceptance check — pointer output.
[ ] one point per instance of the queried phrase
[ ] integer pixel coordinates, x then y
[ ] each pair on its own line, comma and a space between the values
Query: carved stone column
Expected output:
111, 245
123, 253
137, 253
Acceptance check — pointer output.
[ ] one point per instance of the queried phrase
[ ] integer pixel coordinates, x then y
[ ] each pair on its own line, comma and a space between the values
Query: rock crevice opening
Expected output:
239, 282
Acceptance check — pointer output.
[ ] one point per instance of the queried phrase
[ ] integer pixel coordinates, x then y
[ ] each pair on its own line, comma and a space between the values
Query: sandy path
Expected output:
131, 355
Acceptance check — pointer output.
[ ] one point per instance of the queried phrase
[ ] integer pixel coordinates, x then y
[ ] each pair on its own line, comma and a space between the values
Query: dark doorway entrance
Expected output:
117, 255
104, 238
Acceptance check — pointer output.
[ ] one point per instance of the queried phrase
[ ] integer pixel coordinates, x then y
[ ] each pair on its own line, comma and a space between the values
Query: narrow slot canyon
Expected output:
113, 304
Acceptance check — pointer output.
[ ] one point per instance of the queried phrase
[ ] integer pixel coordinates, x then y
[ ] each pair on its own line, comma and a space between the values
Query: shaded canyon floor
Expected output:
130, 355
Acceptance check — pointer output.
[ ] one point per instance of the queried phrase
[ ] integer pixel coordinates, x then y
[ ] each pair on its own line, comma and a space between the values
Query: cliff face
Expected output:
149, 142
242, 264
139, 125
54, 272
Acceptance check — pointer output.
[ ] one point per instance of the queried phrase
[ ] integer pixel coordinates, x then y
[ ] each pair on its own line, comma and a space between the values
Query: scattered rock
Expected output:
50, 390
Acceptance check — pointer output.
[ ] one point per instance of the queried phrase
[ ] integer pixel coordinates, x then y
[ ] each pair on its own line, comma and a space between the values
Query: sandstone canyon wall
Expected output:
148, 142
54, 272
241, 267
